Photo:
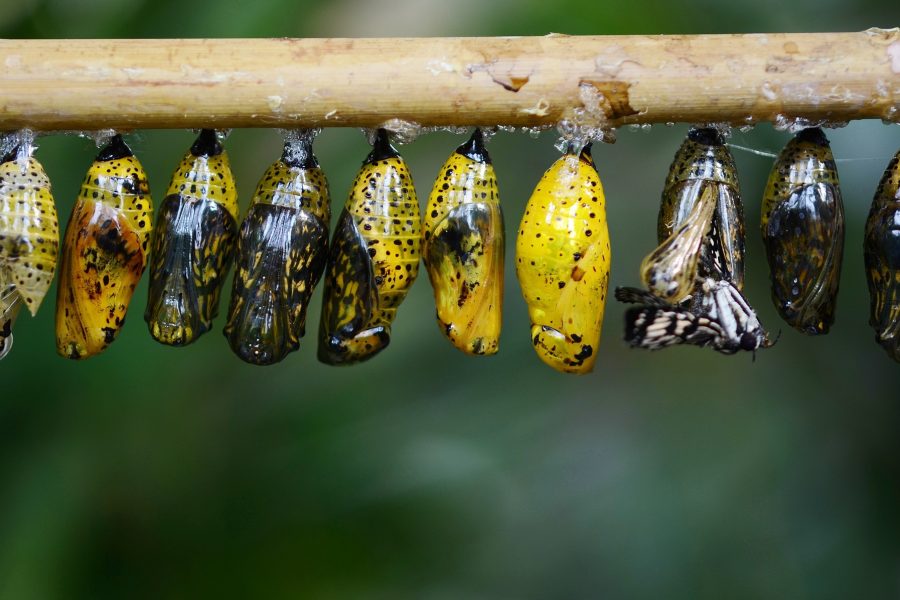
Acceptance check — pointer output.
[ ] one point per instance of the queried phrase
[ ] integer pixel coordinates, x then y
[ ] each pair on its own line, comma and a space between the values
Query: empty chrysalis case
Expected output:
374, 258
104, 252
192, 245
282, 249
882, 258
700, 226
803, 232
563, 262
29, 238
463, 249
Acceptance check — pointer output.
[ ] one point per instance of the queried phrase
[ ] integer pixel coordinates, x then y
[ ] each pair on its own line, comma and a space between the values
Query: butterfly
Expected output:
716, 315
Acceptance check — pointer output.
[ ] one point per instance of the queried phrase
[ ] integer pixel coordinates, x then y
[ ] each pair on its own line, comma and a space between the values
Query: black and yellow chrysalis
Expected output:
282, 248
882, 256
463, 249
700, 227
29, 238
374, 258
104, 252
563, 261
803, 232
193, 244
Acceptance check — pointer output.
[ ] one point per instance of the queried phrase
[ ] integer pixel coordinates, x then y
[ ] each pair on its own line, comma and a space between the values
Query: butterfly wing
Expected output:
631, 295
655, 328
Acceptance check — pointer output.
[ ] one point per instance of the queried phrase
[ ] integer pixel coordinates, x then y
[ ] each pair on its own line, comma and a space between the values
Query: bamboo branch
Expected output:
526, 81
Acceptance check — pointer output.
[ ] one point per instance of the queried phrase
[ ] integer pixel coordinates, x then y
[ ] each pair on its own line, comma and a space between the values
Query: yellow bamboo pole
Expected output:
521, 81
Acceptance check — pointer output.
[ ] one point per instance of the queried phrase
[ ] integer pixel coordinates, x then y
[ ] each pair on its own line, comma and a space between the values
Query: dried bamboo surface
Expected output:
520, 81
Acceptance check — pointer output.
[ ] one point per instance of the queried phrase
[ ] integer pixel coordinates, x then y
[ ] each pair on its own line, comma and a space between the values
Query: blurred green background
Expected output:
184, 473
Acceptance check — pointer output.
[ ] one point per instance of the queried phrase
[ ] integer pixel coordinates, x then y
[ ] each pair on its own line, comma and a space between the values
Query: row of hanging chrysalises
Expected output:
693, 279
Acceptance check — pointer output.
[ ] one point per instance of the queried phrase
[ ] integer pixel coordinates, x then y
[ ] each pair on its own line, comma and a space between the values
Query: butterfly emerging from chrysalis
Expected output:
563, 262
882, 259
463, 249
373, 260
282, 248
696, 274
29, 237
193, 244
104, 253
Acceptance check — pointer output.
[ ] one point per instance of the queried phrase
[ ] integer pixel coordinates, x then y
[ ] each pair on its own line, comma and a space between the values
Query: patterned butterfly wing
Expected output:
722, 256
657, 327
631, 295
716, 315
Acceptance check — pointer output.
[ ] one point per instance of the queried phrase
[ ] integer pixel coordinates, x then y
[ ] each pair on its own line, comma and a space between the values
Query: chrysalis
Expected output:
104, 253
701, 220
463, 249
882, 257
29, 238
563, 260
803, 232
193, 244
374, 258
282, 249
